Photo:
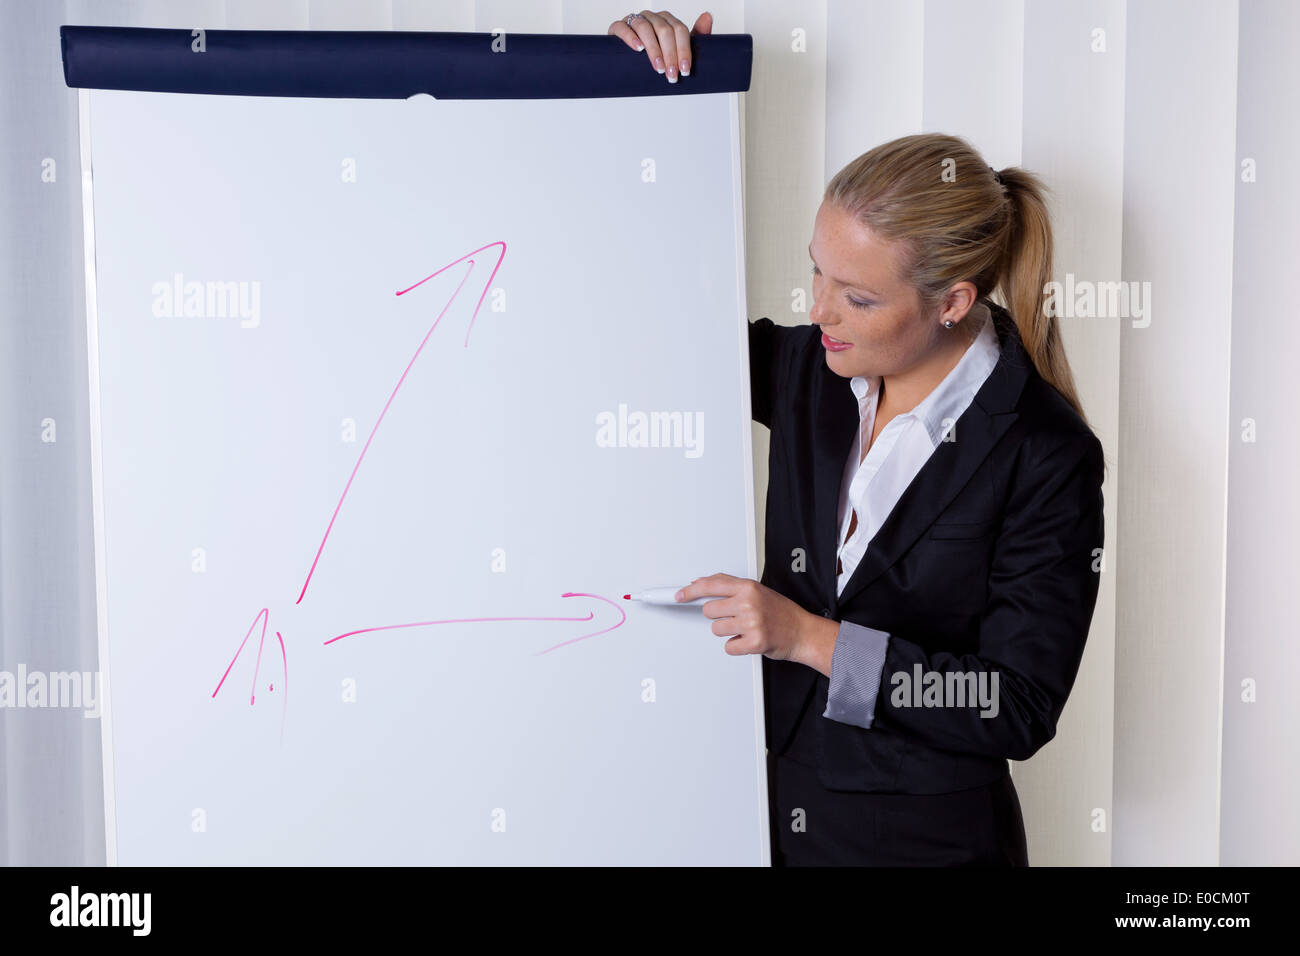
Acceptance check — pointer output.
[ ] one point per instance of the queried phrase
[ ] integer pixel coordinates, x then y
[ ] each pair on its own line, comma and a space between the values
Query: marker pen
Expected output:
665, 596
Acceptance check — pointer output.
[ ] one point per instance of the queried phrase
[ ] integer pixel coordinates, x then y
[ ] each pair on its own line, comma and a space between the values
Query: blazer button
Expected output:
826, 612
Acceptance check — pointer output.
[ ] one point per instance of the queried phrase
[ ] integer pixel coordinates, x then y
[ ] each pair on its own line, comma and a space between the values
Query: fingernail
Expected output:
686, 68
659, 63
640, 47
672, 76
678, 595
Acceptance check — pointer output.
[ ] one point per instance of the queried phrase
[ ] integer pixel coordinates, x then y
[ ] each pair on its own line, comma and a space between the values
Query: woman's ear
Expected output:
958, 302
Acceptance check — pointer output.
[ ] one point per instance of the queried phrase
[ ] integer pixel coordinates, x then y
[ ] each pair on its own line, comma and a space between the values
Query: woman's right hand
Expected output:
666, 41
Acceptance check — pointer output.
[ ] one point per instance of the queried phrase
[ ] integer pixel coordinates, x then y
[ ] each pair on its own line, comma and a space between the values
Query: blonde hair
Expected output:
935, 194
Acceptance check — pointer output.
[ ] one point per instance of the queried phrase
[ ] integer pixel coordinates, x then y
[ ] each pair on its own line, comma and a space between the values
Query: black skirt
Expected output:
981, 826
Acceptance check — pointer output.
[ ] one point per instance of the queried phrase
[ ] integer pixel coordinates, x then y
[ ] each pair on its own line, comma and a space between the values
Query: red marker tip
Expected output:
627, 597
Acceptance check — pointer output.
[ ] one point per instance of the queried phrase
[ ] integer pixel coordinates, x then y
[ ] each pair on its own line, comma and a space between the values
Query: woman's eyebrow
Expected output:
853, 284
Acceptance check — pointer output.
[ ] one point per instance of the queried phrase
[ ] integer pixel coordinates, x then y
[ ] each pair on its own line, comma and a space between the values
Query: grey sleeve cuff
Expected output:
856, 666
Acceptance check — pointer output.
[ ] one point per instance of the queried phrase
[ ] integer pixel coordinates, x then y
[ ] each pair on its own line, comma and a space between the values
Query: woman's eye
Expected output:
852, 301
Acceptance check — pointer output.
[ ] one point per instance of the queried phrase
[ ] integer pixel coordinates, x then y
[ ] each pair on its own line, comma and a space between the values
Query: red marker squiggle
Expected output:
622, 616
361, 457
284, 708
453, 620
264, 614
480, 620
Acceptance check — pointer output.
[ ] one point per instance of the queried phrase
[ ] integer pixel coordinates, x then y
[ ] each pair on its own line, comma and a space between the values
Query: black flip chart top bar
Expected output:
390, 65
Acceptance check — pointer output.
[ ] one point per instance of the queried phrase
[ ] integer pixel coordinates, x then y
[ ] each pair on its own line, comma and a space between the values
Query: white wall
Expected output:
1261, 761
1074, 59
1180, 115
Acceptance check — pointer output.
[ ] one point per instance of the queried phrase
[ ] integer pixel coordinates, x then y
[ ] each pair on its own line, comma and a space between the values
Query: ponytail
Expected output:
1023, 280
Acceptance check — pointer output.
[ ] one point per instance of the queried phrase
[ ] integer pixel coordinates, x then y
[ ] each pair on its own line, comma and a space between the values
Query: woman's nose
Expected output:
815, 313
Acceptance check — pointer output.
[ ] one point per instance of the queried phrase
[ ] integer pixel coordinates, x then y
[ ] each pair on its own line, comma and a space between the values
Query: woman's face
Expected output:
871, 319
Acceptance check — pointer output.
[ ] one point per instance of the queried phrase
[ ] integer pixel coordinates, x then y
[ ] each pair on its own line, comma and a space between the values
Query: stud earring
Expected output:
949, 323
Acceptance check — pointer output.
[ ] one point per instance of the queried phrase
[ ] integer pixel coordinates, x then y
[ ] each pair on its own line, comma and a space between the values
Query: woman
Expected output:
934, 510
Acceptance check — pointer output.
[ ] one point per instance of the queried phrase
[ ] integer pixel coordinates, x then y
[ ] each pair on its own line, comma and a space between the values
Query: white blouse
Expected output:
872, 485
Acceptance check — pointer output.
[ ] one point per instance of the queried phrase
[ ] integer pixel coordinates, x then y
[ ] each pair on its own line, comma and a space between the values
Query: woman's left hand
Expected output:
763, 621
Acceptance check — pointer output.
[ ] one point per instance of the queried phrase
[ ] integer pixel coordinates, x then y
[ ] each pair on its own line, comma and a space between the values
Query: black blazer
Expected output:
984, 564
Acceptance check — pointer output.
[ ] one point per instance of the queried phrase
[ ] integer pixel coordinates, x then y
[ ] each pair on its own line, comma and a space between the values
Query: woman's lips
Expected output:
835, 345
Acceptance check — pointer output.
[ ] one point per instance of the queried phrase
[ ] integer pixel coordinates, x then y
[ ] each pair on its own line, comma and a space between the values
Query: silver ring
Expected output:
632, 16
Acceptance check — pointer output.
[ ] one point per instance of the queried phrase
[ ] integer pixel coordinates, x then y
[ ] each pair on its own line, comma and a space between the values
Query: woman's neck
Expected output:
903, 392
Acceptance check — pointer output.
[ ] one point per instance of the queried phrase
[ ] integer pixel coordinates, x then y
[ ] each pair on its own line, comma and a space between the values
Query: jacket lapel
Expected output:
944, 474
837, 421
